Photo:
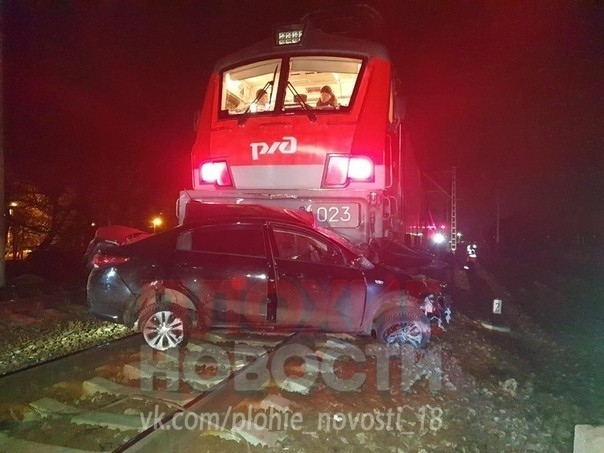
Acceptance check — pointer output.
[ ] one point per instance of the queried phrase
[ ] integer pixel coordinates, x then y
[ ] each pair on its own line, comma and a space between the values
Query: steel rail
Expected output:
198, 399
57, 373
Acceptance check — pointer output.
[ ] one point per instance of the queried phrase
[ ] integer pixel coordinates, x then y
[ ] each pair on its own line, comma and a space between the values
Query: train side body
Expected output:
352, 166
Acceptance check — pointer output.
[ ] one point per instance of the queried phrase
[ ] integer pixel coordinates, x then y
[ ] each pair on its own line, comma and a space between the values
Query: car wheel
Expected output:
403, 326
165, 327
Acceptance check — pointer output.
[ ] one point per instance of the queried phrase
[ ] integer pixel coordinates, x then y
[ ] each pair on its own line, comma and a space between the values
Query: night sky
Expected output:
102, 95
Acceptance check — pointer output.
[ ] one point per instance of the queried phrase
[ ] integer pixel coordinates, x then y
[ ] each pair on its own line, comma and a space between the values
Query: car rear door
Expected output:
226, 268
316, 287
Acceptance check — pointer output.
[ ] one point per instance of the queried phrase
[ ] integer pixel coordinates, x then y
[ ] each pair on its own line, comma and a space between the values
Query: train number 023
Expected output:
334, 214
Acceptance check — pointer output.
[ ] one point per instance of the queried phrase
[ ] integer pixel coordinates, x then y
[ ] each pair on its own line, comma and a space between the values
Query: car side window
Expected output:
236, 240
295, 245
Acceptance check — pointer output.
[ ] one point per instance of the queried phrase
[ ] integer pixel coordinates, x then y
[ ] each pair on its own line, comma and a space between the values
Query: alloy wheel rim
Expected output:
163, 330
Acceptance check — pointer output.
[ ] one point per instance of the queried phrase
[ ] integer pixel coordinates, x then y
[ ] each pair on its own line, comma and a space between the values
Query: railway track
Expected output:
124, 396
105, 398
41, 329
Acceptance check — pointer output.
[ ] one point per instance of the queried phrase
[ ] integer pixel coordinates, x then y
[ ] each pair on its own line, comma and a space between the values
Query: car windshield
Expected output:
253, 87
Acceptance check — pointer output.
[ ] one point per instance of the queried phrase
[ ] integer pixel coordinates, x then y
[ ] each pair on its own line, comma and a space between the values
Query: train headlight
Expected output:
215, 172
340, 170
360, 168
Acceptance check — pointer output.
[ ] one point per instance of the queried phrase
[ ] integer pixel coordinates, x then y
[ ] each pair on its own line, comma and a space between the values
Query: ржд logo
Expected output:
289, 145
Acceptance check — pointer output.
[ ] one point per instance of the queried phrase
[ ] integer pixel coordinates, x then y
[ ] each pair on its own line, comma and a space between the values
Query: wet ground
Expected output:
564, 297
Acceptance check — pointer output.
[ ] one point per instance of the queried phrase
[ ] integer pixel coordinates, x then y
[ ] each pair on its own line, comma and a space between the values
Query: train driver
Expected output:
261, 104
327, 99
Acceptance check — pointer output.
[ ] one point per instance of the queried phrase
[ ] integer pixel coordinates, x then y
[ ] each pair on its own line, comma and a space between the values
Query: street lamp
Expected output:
156, 222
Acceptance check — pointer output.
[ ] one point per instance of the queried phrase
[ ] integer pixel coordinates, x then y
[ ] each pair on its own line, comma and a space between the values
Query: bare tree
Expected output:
39, 220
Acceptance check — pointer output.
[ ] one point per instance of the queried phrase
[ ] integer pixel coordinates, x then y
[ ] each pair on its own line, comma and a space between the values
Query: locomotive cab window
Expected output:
321, 83
310, 76
250, 88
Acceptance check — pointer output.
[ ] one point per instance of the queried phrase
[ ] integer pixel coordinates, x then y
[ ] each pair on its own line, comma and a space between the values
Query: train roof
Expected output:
314, 41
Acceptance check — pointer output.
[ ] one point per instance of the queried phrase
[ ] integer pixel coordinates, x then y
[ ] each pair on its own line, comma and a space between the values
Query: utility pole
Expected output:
453, 210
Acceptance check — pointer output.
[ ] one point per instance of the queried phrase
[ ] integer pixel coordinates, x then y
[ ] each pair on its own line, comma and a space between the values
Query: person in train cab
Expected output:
327, 99
262, 103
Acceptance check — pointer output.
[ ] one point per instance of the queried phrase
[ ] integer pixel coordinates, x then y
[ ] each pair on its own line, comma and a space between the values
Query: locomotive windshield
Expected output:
315, 82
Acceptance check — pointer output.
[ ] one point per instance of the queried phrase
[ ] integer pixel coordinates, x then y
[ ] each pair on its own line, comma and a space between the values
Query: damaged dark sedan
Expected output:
256, 268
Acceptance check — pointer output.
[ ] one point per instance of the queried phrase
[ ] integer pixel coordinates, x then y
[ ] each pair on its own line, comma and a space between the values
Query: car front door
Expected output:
316, 287
226, 268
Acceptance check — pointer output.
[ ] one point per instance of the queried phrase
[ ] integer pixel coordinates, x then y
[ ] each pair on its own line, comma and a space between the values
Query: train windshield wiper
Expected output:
307, 109
271, 83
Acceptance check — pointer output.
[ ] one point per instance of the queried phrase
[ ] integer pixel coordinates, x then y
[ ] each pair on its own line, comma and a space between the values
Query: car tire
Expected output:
165, 326
403, 325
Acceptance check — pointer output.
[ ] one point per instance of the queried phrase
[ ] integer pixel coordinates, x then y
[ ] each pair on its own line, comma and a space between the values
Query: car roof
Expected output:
200, 213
